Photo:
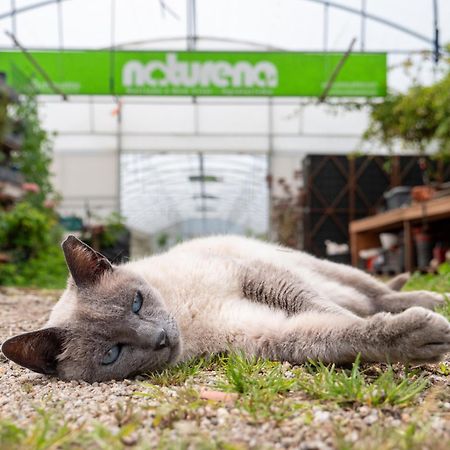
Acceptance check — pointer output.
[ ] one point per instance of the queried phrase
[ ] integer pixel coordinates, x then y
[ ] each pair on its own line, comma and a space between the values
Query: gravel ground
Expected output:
174, 417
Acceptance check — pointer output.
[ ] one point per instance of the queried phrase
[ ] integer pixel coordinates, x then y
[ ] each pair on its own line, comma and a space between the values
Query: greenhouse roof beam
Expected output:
23, 9
379, 19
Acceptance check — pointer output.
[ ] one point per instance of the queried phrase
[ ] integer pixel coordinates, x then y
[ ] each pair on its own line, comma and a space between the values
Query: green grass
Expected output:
48, 433
252, 375
179, 374
261, 385
265, 387
412, 436
267, 390
262, 382
184, 406
354, 386
439, 282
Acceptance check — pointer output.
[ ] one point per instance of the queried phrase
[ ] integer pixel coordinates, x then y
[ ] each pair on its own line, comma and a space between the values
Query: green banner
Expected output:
92, 72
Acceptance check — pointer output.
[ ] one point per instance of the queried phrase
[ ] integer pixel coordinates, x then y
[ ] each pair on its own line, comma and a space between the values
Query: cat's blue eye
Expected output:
137, 302
112, 354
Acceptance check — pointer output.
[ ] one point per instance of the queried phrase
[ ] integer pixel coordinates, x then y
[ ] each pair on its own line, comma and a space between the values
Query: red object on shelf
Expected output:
422, 193
31, 187
439, 252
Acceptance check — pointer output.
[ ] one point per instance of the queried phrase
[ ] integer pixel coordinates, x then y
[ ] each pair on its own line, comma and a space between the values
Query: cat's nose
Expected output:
162, 340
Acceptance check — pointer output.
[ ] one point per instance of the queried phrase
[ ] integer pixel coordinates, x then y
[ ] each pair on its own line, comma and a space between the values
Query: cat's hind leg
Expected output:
415, 335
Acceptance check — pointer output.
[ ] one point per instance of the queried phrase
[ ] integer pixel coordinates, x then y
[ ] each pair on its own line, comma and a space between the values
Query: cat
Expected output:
221, 293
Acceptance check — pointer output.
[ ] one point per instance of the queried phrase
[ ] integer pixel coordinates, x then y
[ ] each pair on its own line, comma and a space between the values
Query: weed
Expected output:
197, 441
47, 432
343, 386
245, 375
43, 434
444, 368
168, 410
177, 375
411, 436
260, 383
185, 407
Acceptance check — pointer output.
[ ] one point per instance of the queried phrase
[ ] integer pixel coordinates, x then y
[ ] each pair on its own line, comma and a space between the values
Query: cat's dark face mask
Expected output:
112, 325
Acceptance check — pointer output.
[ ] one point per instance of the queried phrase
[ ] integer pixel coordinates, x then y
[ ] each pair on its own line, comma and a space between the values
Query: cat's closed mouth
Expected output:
172, 350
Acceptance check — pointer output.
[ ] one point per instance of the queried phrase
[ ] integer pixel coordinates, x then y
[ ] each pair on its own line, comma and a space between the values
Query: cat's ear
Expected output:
37, 351
85, 264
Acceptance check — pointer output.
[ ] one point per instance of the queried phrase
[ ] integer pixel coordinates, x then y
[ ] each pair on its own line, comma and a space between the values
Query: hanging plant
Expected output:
34, 158
419, 119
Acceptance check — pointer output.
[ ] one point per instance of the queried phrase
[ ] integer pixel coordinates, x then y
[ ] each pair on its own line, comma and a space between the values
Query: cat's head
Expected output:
108, 324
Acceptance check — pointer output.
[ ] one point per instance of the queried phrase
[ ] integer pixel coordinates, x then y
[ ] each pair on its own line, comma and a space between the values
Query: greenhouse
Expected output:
128, 128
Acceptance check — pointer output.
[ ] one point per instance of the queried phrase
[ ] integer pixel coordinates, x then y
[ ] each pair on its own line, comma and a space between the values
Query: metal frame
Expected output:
192, 38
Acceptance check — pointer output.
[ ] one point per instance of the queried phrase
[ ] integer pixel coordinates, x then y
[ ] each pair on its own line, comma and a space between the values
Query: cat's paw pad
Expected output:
422, 335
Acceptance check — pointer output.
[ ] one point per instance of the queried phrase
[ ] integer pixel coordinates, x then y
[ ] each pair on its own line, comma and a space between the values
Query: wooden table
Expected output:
364, 232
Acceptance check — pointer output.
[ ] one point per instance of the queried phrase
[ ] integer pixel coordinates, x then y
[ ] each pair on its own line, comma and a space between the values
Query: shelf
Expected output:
364, 232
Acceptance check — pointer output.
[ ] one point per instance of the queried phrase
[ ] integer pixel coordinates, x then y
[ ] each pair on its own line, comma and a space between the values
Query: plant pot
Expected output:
398, 197
422, 193
424, 249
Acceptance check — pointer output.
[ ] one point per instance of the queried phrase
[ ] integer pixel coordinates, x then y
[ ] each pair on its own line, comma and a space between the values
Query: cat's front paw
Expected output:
420, 335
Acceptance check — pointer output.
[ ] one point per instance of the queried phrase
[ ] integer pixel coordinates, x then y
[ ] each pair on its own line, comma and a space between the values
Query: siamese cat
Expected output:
223, 293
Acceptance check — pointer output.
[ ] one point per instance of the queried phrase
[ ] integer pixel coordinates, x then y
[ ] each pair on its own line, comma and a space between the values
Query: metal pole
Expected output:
16, 11
270, 152
202, 191
375, 18
191, 27
119, 155
436, 46
336, 71
37, 66
363, 25
13, 18
192, 45
119, 136
325, 26
60, 26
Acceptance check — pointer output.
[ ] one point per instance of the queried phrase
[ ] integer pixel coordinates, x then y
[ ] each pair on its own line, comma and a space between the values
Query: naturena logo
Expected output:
221, 74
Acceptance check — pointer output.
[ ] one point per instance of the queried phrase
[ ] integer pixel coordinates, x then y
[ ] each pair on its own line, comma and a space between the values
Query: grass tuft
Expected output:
325, 382
46, 432
261, 384
177, 375
246, 375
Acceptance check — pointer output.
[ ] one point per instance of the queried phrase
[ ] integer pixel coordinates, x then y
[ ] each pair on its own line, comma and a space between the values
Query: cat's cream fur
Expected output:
227, 292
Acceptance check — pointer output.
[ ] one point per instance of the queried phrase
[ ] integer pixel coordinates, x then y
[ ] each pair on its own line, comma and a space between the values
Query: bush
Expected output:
25, 231
417, 118
29, 232
30, 236
45, 270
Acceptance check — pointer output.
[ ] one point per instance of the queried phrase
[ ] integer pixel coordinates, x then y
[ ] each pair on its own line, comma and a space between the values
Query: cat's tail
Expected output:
399, 281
